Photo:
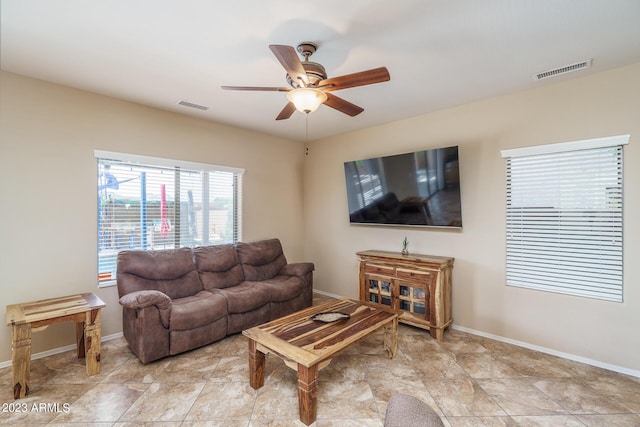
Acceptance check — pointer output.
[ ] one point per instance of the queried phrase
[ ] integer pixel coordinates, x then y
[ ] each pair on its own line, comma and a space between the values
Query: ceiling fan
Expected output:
309, 85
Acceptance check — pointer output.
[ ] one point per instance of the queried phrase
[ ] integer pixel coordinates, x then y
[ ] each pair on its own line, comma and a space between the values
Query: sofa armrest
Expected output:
143, 299
297, 269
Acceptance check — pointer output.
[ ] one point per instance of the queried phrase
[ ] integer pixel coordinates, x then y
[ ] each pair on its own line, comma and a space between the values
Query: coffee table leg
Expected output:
308, 393
21, 359
256, 365
391, 339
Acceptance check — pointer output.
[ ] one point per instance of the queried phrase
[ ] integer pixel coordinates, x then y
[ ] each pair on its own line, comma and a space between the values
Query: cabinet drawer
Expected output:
417, 276
379, 269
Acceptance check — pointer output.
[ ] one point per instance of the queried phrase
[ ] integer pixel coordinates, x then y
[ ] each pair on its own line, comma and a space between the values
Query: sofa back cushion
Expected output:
218, 266
261, 260
171, 271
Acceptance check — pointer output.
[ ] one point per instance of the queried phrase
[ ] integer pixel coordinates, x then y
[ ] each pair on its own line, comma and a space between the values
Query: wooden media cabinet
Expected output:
417, 286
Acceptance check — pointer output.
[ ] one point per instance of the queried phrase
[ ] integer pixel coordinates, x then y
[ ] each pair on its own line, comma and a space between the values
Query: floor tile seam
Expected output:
536, 414
128, 407
496, 378
450, 418
559, 403
255, 401
375, 402
426, 387
80, 396
191, 381
532, 381
490, 397
571, 416
186, 414
618, 399
125, 382
95, 385
605, 414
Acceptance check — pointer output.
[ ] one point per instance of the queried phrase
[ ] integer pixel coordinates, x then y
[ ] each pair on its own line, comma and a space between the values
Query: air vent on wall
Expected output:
192, 105
562, 70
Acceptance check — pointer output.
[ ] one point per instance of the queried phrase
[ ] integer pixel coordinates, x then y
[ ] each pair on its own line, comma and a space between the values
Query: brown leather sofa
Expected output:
176, 300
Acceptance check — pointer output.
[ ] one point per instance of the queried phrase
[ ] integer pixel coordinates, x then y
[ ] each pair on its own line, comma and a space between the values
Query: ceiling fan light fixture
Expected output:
307, 100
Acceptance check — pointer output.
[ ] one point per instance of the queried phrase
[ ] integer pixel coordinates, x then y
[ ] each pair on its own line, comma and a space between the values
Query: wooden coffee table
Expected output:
308, 345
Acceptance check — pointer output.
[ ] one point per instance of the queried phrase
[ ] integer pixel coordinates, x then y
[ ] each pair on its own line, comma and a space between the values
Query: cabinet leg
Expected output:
436, 333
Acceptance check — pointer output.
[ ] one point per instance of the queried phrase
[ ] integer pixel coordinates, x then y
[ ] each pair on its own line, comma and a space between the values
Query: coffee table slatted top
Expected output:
302, 340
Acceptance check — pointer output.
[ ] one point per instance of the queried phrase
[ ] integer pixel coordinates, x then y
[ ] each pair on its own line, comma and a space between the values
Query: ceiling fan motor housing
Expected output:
315, 73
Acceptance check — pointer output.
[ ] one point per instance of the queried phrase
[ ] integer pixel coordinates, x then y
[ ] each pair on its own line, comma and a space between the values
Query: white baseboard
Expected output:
568, 356
552, 352
59, 350
327, 294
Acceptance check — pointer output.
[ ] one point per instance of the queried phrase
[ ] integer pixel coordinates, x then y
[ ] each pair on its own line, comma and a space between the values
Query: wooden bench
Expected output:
83, 309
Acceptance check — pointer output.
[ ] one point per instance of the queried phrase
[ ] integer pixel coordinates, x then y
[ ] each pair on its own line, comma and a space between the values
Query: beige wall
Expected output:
48, 134
48, 187
600, 105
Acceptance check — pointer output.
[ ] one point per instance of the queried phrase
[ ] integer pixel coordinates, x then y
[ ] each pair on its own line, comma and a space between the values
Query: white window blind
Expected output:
564, 218
148, 203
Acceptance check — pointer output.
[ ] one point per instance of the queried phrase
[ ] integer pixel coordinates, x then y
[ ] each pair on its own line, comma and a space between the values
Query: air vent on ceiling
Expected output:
192, 105
562, 70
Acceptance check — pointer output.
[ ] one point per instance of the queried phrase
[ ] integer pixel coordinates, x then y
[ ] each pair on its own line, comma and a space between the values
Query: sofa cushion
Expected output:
170, 271
261, 260
245, 297
284, 288
218, 266
195, 337
197, 310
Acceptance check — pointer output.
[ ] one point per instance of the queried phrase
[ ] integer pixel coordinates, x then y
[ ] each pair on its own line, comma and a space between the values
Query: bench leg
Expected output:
80, 340
92, 341
21, 359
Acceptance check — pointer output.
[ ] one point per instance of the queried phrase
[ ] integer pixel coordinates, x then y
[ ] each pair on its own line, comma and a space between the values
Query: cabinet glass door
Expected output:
413, 299
379, 291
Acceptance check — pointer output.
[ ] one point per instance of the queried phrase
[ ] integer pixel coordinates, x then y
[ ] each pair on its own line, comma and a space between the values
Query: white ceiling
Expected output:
440, 53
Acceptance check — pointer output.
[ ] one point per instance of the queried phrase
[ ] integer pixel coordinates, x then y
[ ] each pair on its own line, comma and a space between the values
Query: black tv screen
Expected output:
412, 189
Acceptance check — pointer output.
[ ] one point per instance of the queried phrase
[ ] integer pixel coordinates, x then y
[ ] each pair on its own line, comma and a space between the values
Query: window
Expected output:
148, 203
564, 217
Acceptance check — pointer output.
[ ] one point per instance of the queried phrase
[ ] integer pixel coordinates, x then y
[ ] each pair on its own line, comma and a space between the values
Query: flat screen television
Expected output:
411, 189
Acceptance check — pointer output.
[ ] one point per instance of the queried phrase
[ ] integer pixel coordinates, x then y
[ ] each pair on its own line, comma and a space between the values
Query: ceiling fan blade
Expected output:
289, 59
362, 78
286, 112
260, 88
342, 105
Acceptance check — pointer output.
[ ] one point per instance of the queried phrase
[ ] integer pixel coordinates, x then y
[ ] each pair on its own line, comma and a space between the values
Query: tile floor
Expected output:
468, 380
